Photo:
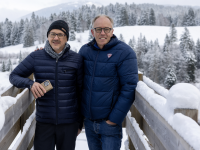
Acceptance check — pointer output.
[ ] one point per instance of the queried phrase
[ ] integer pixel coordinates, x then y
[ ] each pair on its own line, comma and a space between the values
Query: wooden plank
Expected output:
26, 139
138, 144
140, 76
192, 113
11, 91
6, 142
131, 147
154, 141
170, 139
15, 111
27, 113
138, 117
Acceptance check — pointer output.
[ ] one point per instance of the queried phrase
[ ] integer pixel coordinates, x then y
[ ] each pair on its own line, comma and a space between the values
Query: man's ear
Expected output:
92, 31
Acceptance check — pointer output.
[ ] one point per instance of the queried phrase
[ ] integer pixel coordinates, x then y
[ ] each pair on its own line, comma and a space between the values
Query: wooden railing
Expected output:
160, 134
15, 118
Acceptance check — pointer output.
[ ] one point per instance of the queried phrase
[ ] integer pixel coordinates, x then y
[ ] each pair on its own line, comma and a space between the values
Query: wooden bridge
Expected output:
143, 119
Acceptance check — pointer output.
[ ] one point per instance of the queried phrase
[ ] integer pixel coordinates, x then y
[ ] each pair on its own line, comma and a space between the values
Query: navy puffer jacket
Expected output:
110, 79
61, 104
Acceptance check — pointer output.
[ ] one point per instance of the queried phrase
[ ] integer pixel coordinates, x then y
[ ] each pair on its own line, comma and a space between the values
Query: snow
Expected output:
6, 102
2, 116
140, 133
25, 129
180, 95
156, 87
4, 81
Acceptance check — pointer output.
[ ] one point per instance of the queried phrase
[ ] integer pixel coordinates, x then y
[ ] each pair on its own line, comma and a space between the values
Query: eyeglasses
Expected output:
53, 35
99, 30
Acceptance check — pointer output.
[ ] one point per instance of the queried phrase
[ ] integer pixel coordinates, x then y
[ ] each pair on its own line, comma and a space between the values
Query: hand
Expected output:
110, 123
79, 131
39, 48
38, 90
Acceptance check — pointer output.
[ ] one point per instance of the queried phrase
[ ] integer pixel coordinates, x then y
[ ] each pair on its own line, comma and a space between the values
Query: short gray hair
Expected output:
102, 15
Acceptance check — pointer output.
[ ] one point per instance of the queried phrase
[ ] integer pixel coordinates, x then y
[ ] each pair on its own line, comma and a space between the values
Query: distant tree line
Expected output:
27, 31
171, 63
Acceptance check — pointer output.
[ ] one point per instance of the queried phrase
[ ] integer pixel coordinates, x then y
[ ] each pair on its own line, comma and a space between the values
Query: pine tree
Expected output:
132, 19
3, 68
20, 30
166, 44
121, 38
28, 39
8, 66
72, 22
191, 62
172, 34
72, 35
20, 57
190, 18
143, 19
123, 17
198, 53
130, 43
14, 35
2, 42
117, 19
170, 79
152, 18
79, 27
8, 28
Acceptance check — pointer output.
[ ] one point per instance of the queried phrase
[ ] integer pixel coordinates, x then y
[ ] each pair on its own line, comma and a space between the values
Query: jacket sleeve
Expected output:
19, 76
128, 75
79, 89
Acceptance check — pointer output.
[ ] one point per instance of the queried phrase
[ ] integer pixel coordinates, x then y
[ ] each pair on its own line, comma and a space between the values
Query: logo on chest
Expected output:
109, 55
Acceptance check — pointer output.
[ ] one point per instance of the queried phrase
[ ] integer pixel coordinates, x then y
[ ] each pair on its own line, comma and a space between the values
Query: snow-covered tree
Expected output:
190, 18
144, 19
121, 38
2, 42
72, 22
14, 39
20, 57
198, 53
79, 24
3, 67
166, 44
8, 66
152, 18
171, 78
172, 34
130, 43
8, 28
72, 35
123, 17
28, 39
20, 30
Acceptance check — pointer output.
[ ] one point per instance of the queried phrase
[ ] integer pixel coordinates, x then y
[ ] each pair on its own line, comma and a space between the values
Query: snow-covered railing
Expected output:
16, 106
158, 120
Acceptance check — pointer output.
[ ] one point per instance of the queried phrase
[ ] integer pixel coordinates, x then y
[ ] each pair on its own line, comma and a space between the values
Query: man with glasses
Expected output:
110, 79
57, 111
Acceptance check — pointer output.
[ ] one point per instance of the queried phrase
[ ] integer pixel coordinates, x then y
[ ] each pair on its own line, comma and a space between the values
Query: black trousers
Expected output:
63, 136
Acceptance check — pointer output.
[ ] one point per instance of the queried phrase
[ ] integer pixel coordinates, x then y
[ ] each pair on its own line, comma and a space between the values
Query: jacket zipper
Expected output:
91, 84
56, 95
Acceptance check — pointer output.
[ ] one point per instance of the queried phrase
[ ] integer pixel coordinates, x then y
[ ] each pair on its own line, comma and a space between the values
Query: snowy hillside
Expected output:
150, 32
69, 6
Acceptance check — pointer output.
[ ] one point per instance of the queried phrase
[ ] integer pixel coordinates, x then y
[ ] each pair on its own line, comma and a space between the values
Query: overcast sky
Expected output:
10, 8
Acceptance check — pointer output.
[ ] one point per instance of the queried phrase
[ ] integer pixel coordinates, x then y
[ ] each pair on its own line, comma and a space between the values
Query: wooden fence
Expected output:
160, 134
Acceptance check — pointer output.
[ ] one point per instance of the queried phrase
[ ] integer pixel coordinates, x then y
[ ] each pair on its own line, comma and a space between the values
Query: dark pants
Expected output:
63, 136
102, 136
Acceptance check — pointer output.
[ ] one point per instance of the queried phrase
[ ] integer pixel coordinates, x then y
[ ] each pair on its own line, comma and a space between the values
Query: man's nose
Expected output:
102, 31
56, 37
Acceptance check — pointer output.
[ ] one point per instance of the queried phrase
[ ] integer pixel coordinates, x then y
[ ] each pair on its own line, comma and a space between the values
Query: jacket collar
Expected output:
113, 41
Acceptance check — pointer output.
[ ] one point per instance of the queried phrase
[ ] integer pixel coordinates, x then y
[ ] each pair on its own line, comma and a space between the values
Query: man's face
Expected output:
57, 43
102, 38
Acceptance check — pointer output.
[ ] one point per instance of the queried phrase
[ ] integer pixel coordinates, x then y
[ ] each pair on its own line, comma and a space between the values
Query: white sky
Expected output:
10, 8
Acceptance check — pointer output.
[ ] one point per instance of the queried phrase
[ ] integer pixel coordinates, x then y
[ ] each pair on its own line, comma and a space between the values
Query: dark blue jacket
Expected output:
110, 79
61, 104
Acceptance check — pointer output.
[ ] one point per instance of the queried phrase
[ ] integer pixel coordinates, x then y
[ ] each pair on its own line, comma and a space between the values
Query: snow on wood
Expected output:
136, 134
27, 134
156, 87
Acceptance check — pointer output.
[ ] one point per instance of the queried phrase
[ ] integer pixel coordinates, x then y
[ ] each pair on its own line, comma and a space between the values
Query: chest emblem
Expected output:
109, 55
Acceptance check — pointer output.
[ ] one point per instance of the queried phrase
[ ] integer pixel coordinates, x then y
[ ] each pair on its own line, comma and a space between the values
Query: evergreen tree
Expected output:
123, 17
72, 35
190, 18
198, 53
170, 79
8, 66
172, 34
72, 22
79, 27
28, 39
130, 43
2, 42
20, 30
166, 44
14, 35
8, 28
132, 19
3, 68
20, 57
152, 18
117, 19
143, 19
121, 38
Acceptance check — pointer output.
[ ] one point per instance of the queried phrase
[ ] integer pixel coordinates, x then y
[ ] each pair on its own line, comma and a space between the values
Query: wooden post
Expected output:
192, 113
140, 75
